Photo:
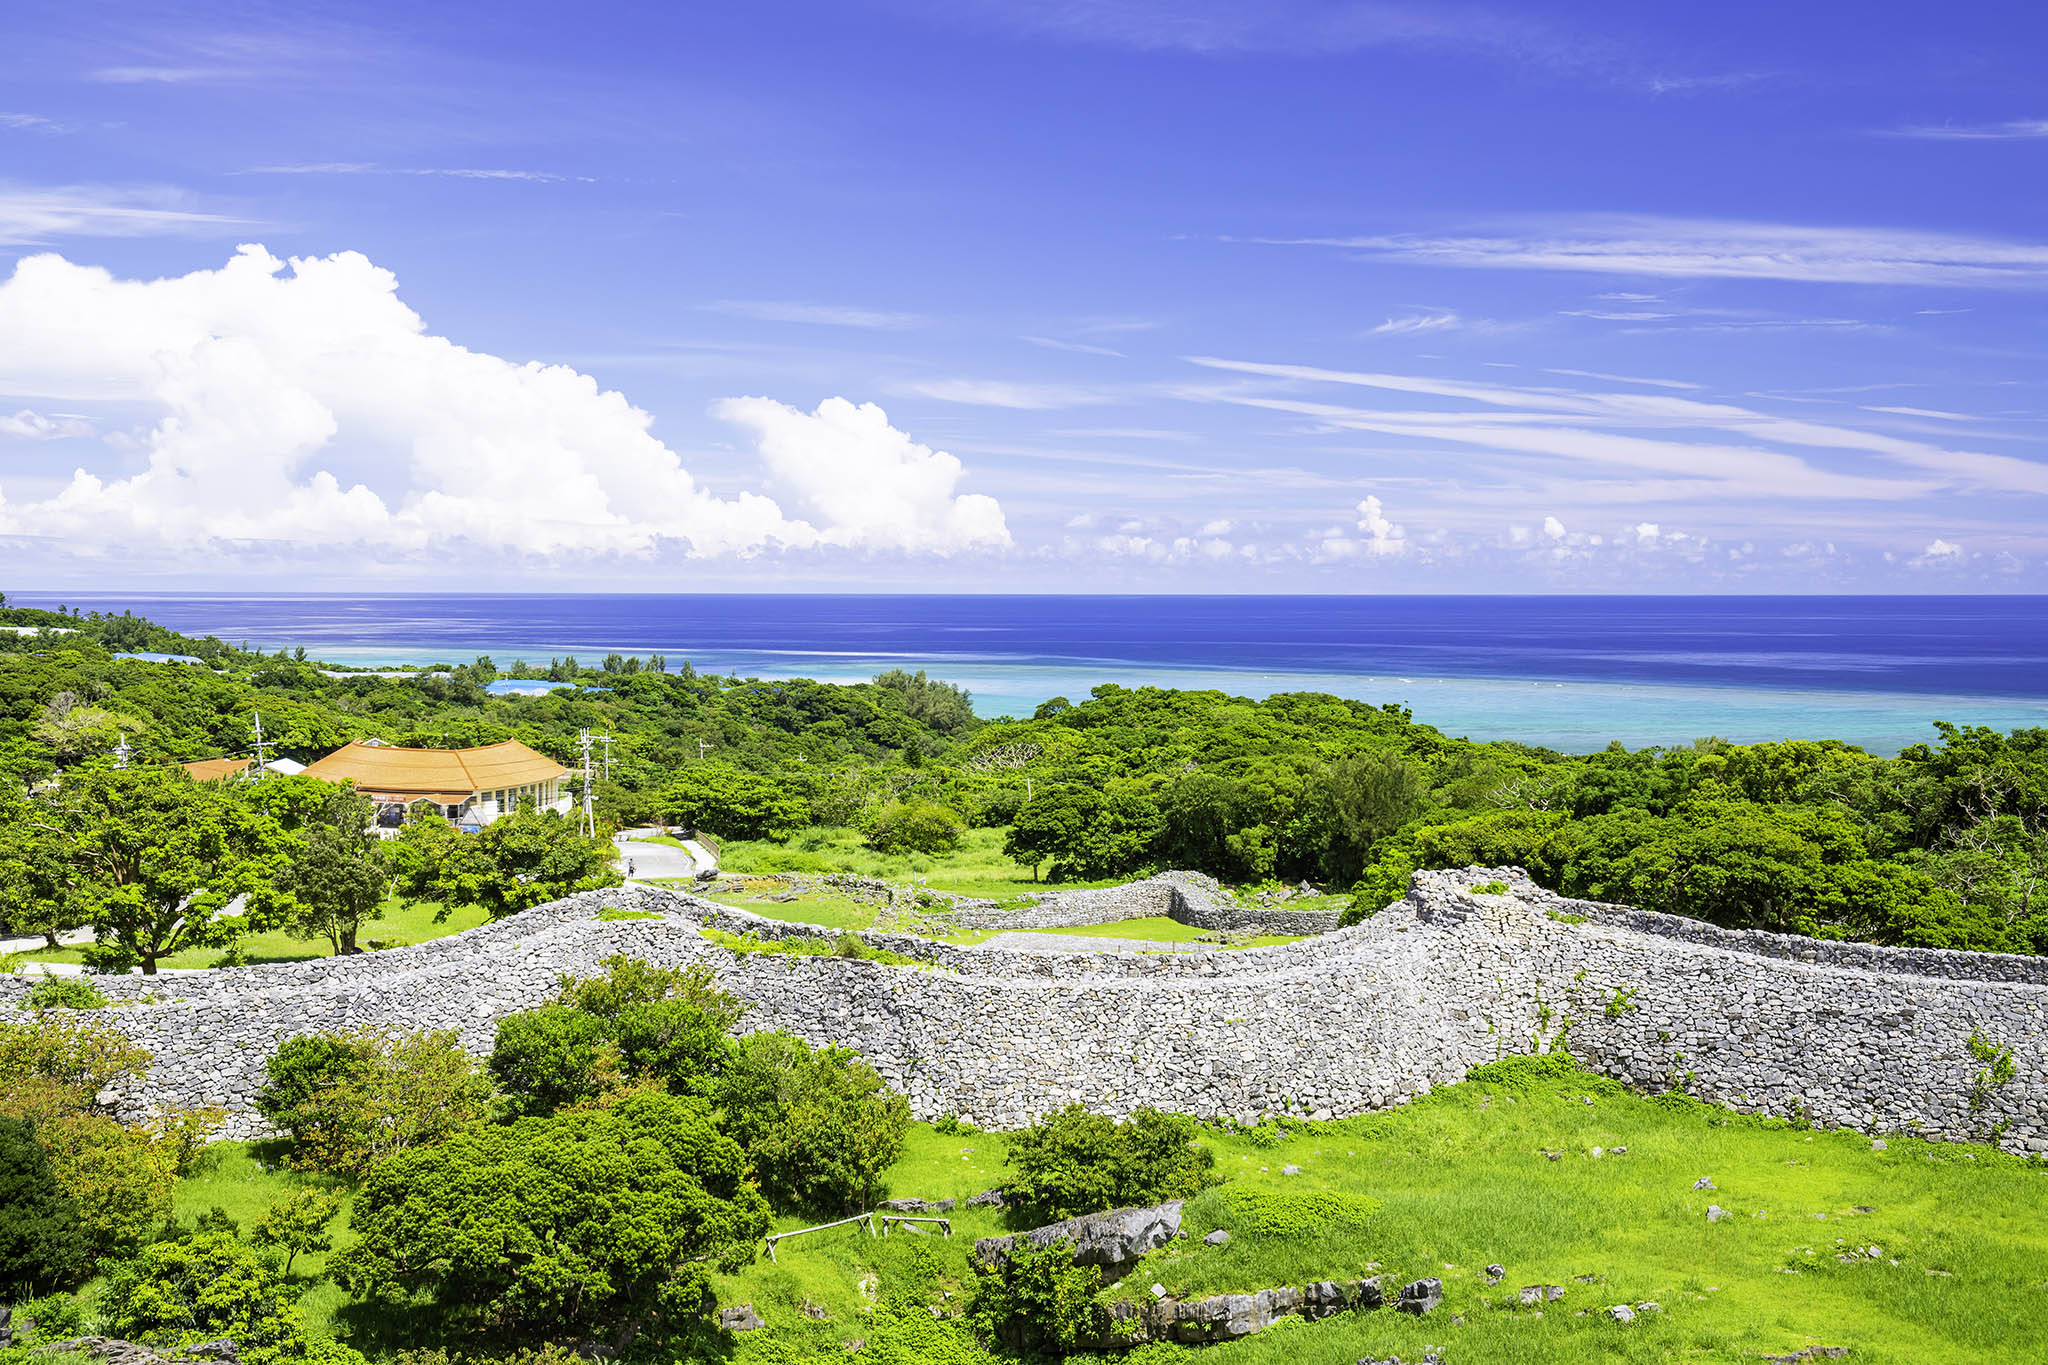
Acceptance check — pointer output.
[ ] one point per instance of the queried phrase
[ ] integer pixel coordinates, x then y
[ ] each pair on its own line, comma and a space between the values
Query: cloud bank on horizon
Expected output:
1302, 295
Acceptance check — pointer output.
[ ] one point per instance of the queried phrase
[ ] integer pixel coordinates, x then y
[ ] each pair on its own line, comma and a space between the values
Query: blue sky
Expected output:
986, 294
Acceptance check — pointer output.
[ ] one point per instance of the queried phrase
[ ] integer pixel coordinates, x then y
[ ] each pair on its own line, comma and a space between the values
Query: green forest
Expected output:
1944, 845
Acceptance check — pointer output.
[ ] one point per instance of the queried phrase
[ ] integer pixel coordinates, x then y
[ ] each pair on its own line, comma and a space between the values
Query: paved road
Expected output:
650, 860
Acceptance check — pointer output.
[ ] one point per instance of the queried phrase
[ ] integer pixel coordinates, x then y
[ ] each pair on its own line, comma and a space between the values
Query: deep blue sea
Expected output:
1569, 672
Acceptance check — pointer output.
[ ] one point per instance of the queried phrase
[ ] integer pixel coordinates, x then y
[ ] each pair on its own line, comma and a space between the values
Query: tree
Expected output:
341, 875
158, 856
297, 1224
934, 704
1075, 1162
518, 861
916, 827
819, 1124
44, 1244
36, 892
1087, 833
554, 1058
603, 1221
347, 1100
732, 803
73, 730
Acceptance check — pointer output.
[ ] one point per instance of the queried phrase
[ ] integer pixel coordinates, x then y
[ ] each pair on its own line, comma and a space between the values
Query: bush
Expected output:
1076, 1162
916, 827
1039, 1301
43, 1243
346, 1100
634, 1023
206, 1287
1288, 1213
819, 1125
604, 1221
65, 993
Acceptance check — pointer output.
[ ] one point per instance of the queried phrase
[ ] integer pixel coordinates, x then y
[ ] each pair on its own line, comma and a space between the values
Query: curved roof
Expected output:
214, 769
443, 774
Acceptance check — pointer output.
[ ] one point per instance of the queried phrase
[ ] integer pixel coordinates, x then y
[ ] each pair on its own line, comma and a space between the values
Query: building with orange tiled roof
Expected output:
470, 786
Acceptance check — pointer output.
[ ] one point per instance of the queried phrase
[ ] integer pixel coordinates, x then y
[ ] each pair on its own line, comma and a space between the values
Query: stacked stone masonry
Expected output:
1351, 1021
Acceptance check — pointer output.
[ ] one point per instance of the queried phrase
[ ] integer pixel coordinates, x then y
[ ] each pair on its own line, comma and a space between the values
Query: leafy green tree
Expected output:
604, 1222
733, 804
297, 1224
1074, 1162
916, 827
44, 1244
73, 730
940, 705
348, 1100
37, 894
340, 877
819, 1124
1085, 832
514, 863
158, 856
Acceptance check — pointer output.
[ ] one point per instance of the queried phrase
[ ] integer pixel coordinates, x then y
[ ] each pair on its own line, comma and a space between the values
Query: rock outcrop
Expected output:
1113, 1240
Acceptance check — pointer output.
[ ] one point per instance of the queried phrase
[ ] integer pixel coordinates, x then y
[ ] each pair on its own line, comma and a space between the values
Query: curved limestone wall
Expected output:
1359, 1019
1188, 897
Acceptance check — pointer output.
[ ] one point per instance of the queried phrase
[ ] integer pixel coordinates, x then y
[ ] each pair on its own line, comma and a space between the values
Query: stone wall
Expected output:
1188, 897
1344, 1023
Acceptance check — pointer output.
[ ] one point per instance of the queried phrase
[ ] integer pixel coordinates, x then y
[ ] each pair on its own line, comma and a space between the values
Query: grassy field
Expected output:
1454, 1181
1159, 929
977, 868
402, 924
829, 908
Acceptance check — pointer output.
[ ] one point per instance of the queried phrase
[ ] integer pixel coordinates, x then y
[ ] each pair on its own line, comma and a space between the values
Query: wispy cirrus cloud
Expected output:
1609, 427
33, 215
1411, 323
372, 168
1077, 347
2012, 130
816, 314
1682, 248
1004, 393
34, 123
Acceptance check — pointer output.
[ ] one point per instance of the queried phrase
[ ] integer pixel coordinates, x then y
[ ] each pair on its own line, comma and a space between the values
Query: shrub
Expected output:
346, 1100
1039, 1301
65, 993
296, 1224
634, 1023
206, 1287
819, 1124
604, 1221
1535, 1069
916, 827
1288, 1213
82, 1057
1076, 1162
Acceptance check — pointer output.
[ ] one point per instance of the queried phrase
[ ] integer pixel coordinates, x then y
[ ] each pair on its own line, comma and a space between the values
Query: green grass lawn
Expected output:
831, 909
1456, 1180
1160, 929
977, 868
401, 924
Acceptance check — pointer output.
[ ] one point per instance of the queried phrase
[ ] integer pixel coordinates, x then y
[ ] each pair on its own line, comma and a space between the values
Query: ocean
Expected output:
1572, 673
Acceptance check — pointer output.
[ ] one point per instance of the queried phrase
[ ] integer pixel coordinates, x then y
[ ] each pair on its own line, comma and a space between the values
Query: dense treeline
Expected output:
1944, 845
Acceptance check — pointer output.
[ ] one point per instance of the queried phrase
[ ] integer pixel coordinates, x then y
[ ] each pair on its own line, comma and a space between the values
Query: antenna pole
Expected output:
589, 825
261, 748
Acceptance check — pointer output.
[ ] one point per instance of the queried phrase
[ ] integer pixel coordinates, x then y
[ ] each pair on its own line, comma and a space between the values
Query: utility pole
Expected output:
606, 740
702, 745
261, 748
121, 752
589, 825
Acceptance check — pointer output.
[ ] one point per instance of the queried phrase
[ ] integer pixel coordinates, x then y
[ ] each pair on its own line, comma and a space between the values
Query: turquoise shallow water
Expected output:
1569, 673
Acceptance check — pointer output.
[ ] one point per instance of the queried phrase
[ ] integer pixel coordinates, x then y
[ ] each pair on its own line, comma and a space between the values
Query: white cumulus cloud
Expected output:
870, 484
1383, 537
303, 404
